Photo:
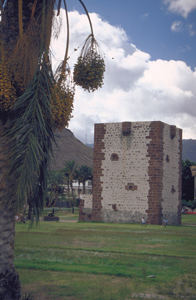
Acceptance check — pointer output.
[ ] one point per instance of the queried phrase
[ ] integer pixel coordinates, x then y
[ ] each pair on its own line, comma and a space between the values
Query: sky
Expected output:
149, 47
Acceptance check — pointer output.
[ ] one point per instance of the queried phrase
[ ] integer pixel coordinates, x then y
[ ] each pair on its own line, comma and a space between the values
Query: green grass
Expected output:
189, 219
63, 213
86, 261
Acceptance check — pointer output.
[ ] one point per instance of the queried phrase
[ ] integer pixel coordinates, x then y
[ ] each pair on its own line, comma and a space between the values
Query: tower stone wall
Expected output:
136, 173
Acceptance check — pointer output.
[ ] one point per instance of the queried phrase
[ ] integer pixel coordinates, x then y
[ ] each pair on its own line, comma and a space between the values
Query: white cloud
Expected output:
135, 87
145, 16
182, 7
191, 30
177, 26
185, 48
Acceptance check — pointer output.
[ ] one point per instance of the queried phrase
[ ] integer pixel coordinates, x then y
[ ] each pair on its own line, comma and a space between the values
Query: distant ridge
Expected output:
189, 150
90, 145
70, 148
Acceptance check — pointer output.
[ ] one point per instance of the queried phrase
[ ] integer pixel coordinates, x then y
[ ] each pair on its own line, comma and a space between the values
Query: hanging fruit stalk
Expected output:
90, 67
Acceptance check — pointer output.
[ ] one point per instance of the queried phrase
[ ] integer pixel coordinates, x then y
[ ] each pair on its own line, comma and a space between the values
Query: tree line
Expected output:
81, 174
188, 184
69, 173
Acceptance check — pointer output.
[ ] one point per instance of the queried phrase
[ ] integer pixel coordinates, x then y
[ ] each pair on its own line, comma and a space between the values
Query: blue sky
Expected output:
150, 55
148, 26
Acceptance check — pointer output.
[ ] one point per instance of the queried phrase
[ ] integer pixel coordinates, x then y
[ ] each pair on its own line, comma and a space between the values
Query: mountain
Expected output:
70, 148
90, 145
189, 150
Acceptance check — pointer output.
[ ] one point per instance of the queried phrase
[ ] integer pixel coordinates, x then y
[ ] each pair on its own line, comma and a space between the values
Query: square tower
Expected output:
136, 173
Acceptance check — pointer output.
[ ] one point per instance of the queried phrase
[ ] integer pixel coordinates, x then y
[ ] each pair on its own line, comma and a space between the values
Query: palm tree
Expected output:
56, 180
85, 173
33, 103
70, 172
79, 180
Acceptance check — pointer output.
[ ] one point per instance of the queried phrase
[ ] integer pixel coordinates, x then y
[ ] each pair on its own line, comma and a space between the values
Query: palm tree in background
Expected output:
85, 173
56, 180
79, 180
70, 172
34, 102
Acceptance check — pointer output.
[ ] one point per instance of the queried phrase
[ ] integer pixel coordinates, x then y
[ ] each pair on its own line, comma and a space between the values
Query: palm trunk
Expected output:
78, 188
68, 192
83, 184
10, 26
56, 197
72, 193
50, 200
30, 211
9, 279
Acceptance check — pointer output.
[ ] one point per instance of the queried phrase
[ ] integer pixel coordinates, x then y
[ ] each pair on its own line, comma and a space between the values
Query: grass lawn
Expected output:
104, 261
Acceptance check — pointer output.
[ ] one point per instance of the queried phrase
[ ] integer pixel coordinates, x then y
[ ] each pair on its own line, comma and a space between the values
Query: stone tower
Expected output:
136, 173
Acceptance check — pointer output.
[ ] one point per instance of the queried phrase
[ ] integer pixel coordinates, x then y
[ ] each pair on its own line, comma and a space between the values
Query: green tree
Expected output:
85, 173
56, 180
70, 172
187, 180
79, 180
33, 103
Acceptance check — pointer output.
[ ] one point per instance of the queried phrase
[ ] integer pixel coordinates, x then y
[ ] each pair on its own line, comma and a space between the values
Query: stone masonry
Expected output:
136, 173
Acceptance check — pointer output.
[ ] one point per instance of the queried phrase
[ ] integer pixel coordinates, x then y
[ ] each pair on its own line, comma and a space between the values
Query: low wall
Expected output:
46, 218
85, 208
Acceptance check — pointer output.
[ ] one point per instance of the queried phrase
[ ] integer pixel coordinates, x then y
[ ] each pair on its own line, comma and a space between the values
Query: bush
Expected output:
190, 204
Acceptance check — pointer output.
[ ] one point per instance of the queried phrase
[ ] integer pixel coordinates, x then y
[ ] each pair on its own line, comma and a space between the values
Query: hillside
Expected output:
70, 148
189, 150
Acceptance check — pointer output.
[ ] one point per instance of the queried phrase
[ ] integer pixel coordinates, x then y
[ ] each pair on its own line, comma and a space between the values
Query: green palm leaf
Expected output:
31, 135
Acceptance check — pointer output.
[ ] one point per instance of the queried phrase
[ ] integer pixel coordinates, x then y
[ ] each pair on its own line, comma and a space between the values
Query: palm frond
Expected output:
31, 141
